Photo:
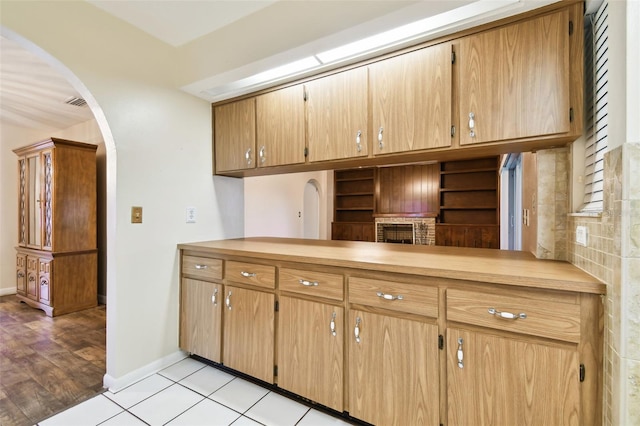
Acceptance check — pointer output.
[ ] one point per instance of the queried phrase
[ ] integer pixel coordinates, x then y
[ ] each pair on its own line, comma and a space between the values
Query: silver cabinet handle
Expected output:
358, 141
308, 283
201, 266
389, 296
32, 278
20, 274
247, 156
214, 297
356, 330
228, 300
507, 315
44, 282
380, 143
472, 125
460, 353
332, 324
247, 274
262, 154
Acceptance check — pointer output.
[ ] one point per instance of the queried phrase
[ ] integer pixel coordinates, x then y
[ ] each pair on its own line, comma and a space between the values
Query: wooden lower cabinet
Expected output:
249, 338
201, 318
311, 350
493, 380
393, 370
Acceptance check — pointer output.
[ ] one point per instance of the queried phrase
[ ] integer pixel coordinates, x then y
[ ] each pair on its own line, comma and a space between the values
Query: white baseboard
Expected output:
7, 291
114, 384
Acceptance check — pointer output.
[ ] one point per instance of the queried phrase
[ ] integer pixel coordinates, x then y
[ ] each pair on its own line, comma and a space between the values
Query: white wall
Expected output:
158, 151
272, 204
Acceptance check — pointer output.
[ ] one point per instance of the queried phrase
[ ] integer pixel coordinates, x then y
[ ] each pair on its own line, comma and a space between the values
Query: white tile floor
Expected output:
192, 393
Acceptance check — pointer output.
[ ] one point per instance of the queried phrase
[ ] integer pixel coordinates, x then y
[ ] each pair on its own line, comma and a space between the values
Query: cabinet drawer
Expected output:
202, 267
250, 273
312, 283
544, 318
397, 296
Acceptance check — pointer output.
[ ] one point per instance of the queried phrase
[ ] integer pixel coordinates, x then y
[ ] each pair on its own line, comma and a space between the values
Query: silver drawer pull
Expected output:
332, 324
248, 274
228, 300
507, 315
389, 296
201, 266
356, 330
460, 353
214, 297
308, 283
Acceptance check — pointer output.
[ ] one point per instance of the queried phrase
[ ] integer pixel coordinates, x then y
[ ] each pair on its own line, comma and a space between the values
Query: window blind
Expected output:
596, 106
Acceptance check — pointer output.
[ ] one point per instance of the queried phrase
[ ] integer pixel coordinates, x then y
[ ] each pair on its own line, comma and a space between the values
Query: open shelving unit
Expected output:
354, 205
469, 203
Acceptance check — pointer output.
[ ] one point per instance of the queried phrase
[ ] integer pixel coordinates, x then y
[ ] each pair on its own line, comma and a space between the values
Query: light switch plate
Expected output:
191, 214
581, 235
136, 214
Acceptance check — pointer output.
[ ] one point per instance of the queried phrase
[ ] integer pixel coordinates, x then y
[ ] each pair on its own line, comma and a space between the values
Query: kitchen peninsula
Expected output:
395, 334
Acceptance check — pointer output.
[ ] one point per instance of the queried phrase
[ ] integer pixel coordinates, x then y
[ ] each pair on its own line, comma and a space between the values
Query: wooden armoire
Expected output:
57, 254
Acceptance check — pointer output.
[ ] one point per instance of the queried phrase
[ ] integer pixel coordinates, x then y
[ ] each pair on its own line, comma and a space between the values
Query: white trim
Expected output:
116, 384
7, 291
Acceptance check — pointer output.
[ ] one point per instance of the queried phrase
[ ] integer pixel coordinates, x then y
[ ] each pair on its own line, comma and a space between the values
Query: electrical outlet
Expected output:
136, 214
191, 214
581, 235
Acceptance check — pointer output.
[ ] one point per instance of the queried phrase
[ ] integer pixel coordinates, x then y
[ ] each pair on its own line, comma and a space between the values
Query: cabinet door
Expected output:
411, 101
393, 370
32, 277
45, 290
515, 81
337, 111
21, 274
310, 350
505, 381
280, 127
201, 318
235, 135
249, 332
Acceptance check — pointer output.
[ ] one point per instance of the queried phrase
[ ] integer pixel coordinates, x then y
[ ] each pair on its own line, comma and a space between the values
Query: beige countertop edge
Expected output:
479, 265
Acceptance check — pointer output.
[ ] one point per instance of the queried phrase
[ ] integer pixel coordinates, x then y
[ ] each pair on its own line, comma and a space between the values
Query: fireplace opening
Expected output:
397, 233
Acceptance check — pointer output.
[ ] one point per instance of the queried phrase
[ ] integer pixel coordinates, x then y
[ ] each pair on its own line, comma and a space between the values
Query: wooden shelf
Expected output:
469, 204
353, 205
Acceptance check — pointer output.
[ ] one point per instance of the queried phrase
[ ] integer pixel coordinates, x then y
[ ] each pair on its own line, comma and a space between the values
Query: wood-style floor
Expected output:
48, 364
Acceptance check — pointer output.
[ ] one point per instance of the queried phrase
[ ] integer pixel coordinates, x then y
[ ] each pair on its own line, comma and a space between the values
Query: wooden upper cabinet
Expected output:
411, 101
337, 112
514, 81
235, 135
280, 127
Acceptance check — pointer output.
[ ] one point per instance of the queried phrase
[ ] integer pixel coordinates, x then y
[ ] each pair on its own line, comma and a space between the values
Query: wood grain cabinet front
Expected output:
280, 127
249, 332
201, 305
514, 81
251, 274
522, 357
393, 370
411, 101
393, 358
311, 339
234, 129
337, 116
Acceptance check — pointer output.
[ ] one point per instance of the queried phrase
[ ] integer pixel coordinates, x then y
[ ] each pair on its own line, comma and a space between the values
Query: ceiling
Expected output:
33, 95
